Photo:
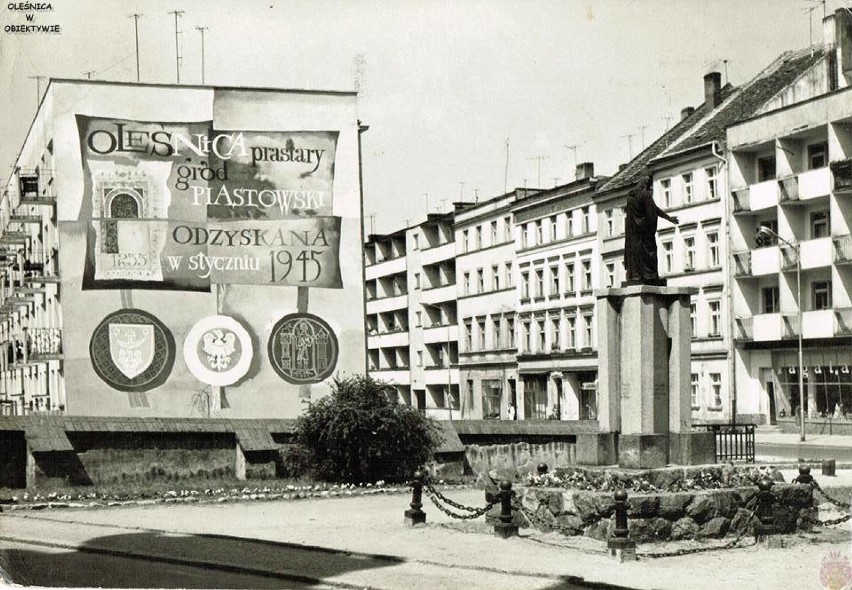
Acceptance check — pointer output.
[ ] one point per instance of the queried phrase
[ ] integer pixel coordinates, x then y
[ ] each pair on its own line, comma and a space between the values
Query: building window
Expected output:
541, 336
587, 330
693, 319
478, 233
569, 224
495, 333
507, 229
468, 335
418, 318
569, 278
716, 387
688, 193
419, 358
586, 217
495, 277
713, 249
817, 155
417, 280
525, 285
770, 299
712, 183
510, 332
693, 379
539, 232
416, 239
554, 281
539, 283
765, 168
467, 283
493, 233
820, 227
525, 336
668, 256
480, 326
480, 280
715, 317
689, 253
554, 334
525, 236
508, 275
572, 332
464, 241
610, 274
587, 275
553, 224
610, 222
821, 295
666, 188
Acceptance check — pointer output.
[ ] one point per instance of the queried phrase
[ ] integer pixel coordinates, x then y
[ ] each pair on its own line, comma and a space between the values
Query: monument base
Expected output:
692, 448
643, 451
600, 448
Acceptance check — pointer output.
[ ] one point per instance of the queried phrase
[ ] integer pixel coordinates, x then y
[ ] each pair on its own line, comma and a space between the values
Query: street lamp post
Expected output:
766, 232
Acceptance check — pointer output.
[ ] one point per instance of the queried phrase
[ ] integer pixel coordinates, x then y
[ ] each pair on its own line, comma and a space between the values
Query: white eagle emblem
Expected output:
219, 345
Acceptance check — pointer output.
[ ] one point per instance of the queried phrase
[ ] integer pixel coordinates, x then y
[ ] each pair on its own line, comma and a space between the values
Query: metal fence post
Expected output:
542, 468
415, 515
505, 528
804, 476
621, 547
765, 528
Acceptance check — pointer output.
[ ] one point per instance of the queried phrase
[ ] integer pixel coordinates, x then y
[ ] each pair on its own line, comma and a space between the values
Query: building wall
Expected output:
261, 392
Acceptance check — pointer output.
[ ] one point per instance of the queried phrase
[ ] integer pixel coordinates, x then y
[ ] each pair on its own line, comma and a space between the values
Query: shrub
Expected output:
360, 433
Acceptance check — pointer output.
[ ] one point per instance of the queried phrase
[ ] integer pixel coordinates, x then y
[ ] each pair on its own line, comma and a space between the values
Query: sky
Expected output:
444, 85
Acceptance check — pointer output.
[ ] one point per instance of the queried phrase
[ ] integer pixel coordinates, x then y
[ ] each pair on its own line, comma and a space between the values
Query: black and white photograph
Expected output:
426, 294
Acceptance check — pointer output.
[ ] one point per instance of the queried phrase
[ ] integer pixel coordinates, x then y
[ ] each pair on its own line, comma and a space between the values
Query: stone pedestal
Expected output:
644, 374
414, 517
622, 549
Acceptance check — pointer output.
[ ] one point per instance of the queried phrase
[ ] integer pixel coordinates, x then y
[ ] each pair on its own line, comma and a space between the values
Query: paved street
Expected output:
356, 542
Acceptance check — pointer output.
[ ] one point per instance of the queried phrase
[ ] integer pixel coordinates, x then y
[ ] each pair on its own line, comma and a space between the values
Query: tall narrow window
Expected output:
554, 334
465, 237
688, 190
689, 253
610, 274
539, 283
770, 299
666, 188
495, 277
570, 287
480, 325
668, 256
507, 229
715, 317
693, 318
821, 294
539, 232
553, 226
480, 280
693, 378
525, 285
587, 275
716, 387
820, 224
713, 250
478, 233
587, 330
571, 332
712, 183
554, 281
610, 222
493, 233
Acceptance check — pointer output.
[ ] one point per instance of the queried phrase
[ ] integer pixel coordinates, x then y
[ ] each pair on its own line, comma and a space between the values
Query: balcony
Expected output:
814, 184
387, 267
438, 334
742, 265
815, 253
392, 339
396, 376
384, 304
765, 261
788, 257
744, 328
764, 195
843, 250
818, 323
32, 199
773, 326
435, 295
842, 173
741, 205
437, 254
439, 375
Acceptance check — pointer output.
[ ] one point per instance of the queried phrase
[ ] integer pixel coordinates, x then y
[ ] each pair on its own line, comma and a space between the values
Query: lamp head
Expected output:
765, 232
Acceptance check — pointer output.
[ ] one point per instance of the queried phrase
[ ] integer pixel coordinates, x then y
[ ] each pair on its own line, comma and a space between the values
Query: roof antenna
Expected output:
573, 149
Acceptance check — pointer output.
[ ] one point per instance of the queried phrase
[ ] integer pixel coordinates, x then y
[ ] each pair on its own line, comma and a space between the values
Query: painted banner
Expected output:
183, 206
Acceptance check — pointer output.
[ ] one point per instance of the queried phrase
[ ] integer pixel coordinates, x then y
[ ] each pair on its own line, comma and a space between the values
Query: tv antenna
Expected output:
573, 149
629, 137
177, 14
810, 11
642, 129
201, 30
538, 160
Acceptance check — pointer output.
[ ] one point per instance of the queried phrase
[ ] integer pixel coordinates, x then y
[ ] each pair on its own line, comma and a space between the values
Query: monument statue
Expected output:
640, 229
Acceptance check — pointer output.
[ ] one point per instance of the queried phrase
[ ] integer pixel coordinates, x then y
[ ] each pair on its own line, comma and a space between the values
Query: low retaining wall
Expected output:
661, 516
516, 460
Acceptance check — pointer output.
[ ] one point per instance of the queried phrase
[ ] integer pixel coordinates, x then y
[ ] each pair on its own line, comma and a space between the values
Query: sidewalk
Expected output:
811, 440
440, 554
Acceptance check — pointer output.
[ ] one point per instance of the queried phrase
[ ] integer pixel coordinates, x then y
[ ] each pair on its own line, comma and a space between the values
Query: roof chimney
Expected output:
713, 89
829, 31
585, 170
622, 166
686, 112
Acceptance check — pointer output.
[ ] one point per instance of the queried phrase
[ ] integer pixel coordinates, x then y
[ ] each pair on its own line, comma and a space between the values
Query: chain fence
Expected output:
472, 512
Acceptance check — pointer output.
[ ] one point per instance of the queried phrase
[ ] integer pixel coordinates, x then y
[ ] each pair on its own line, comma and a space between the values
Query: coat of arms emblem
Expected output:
218, 350
131, 347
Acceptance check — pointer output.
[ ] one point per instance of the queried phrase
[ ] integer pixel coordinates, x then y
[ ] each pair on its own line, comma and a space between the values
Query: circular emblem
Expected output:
218, 350
303, 348
132, 350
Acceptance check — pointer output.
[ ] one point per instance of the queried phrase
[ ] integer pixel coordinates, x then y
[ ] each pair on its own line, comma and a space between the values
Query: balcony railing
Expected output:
842, 172
742, 265
741, 204
44, 342
788, 258
789, 189
843, 321
843, 249
745, 328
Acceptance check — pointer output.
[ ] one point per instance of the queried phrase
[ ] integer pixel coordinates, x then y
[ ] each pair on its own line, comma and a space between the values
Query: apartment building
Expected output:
412, 319
124, 287
791, 184
487, 304
557, 253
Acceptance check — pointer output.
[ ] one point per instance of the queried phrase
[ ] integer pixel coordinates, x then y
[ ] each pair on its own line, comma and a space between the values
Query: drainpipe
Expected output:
729, 278
361, 130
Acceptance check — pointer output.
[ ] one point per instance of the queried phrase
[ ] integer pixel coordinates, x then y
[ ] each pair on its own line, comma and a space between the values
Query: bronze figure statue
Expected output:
640, 229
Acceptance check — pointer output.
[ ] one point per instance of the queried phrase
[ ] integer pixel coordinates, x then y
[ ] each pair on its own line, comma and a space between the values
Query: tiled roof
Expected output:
745, 103
706, 125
